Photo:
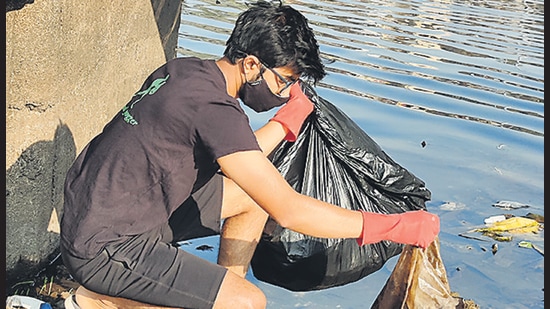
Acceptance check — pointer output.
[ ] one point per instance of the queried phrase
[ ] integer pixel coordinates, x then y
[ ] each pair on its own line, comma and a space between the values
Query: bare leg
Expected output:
243, 226
87, 299
237, 292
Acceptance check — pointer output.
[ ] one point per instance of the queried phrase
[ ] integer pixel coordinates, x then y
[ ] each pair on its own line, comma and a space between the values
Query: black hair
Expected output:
279, 36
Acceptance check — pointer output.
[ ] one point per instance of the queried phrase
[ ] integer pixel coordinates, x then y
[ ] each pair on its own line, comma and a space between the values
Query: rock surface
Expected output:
70, 66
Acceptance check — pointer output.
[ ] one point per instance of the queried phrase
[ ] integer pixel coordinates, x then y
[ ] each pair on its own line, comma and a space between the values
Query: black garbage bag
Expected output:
334, 160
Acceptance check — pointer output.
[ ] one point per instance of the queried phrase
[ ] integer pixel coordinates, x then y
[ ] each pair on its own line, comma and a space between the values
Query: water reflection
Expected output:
477, 55
464, 79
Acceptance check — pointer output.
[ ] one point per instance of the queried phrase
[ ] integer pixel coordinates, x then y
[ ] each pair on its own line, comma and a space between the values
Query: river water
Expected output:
451, 90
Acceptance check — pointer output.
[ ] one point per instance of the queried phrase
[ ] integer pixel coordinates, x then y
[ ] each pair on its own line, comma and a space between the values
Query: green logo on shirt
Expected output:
154, 87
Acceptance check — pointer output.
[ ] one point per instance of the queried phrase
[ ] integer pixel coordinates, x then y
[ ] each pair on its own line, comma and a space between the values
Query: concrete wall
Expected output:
70, 66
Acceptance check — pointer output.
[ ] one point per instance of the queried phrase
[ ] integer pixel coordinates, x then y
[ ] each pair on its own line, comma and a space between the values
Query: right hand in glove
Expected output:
418, 228
293, 114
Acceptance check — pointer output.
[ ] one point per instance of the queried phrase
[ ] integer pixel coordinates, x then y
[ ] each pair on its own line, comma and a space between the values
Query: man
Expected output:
180, 158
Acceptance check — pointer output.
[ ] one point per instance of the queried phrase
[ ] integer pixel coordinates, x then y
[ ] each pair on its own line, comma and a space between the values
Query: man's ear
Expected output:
251, 66
251, 63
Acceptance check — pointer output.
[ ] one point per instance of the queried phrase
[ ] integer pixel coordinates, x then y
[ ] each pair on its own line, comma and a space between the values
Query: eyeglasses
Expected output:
284, 80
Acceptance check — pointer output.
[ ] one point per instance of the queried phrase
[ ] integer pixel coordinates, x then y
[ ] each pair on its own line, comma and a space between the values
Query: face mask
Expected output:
259, 97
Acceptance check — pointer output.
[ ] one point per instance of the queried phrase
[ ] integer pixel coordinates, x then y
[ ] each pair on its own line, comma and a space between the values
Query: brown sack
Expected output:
419, 280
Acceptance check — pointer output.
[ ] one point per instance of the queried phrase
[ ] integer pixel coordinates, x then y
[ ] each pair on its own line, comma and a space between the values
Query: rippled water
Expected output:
451, 90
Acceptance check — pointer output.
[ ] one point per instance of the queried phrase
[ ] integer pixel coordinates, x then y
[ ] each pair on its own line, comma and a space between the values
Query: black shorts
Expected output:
150, 268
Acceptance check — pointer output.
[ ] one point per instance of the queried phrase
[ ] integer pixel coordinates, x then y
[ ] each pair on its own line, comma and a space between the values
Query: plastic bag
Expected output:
334, 160
515, 225
419, 280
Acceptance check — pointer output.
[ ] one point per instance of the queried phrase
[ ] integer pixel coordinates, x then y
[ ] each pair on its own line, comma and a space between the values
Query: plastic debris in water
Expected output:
514, 225
536, 217
510, 205
453, 206
494, 219
530, 245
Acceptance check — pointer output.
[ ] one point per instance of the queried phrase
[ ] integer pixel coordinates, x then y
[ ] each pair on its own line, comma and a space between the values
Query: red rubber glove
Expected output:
418, 228
294, 113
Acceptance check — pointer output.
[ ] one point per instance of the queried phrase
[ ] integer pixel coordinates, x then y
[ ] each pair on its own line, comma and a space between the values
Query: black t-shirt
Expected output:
152, 155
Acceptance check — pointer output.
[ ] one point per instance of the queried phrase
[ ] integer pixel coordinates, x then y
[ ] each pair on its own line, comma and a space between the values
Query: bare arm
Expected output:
255, 174
270, 135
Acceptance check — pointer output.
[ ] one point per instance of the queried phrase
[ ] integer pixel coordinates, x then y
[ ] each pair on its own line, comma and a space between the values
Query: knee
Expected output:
254, 300
237, 292
260, 301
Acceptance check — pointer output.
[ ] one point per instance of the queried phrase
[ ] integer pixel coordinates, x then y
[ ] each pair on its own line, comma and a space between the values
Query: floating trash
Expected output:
538, 218
510, 205
513, 225
494, 219
452, 206
530, 245
494, 248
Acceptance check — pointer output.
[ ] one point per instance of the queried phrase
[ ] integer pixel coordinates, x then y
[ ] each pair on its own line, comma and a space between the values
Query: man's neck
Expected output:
232, 74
